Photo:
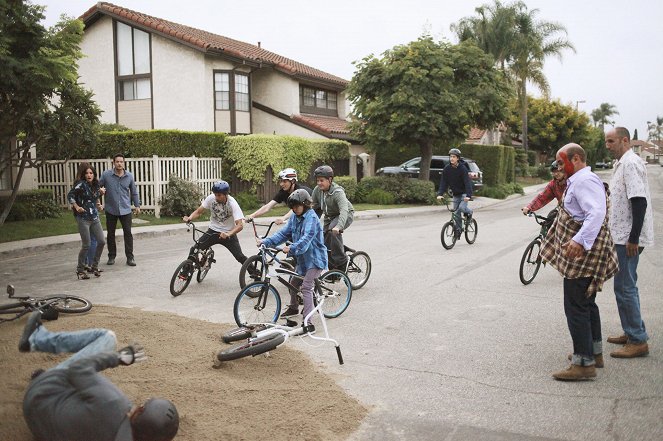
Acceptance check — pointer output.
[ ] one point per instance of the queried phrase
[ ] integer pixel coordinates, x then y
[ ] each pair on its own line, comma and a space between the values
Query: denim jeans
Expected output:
82, 343
460, 205
628, 297
89, 259
583, 320
87, 229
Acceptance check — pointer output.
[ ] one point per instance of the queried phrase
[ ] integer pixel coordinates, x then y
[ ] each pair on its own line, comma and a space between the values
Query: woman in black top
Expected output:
84, 200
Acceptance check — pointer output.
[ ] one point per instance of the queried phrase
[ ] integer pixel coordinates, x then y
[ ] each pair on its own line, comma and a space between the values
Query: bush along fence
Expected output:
497, 162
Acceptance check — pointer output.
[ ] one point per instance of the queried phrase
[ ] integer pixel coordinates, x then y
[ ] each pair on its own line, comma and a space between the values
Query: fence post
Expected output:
194, 168
156, 172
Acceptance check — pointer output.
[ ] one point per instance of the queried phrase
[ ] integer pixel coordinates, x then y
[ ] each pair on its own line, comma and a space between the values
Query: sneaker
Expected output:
457, 234
34, 322
111, 261
290, 312
131, 261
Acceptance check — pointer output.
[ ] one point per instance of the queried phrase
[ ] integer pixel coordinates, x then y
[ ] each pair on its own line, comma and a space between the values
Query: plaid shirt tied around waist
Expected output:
600, 262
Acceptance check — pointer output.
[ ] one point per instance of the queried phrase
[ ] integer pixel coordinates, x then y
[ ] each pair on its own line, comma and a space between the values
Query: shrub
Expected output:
247, 200
404, 190
350, 186
380, 197
182, 197
502, 191
32, 204
543, 172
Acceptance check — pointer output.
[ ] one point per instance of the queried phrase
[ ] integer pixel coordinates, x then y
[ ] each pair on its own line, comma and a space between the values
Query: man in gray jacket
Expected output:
329, 198
74, 402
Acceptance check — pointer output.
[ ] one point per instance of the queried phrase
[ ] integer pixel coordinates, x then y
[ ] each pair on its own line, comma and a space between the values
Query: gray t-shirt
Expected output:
222, 215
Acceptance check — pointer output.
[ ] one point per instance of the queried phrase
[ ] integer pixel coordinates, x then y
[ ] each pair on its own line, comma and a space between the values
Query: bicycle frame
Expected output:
190, 226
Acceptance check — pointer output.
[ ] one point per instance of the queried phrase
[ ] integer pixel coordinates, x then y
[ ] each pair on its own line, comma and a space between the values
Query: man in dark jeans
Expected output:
120, 192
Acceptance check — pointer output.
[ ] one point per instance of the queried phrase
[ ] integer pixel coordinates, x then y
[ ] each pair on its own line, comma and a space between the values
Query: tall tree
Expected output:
426, 93
41, 102
602, 113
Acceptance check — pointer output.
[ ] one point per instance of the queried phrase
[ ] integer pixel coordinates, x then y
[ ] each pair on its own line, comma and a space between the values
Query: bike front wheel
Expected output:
336, 290
530, 262
448, 236
471, 231
359, 269
255, 347
181, 277
68, 304
258, 302
208, 259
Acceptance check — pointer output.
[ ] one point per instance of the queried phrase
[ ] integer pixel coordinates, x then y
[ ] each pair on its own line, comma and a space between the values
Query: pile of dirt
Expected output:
283, 396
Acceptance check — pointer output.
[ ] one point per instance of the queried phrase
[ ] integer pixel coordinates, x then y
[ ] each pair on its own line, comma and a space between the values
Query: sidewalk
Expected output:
33, 246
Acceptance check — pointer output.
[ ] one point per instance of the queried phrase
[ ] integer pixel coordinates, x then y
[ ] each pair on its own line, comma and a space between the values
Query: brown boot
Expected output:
631, 350
621, 340
575, 373
598, 360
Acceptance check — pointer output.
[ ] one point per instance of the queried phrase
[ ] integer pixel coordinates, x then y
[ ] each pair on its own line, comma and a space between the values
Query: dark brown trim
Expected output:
149, 36
231, 105
314, 110
115, 79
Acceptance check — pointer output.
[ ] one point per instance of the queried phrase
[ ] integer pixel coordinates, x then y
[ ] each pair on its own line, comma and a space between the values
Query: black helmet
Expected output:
220, 187
555, 166
455, 152
300, 197
324, 171
158, 421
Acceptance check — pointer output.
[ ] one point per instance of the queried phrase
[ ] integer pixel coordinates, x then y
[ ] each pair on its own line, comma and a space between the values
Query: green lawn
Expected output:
66, 224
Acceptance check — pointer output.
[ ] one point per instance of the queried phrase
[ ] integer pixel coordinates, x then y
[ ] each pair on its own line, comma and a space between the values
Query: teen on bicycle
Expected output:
288, 183
554, 190
329, 198
456, 177
226, 220
304, 231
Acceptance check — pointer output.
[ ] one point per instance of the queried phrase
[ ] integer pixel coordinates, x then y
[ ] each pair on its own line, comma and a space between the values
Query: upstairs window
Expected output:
238, 87
133, 62
318, 101
222, 91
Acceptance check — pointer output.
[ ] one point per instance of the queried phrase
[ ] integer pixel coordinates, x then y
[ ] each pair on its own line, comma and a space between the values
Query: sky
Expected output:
618, 58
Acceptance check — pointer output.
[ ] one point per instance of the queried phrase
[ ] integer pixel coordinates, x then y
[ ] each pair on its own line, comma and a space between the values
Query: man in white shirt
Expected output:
632, 228
226, 220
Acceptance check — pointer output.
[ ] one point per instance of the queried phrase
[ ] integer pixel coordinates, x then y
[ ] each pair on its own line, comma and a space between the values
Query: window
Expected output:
223, 87
222, 91
133, 63
318, 101
242, 92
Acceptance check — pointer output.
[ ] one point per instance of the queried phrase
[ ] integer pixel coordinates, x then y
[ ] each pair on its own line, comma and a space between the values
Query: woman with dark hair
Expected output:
84, 200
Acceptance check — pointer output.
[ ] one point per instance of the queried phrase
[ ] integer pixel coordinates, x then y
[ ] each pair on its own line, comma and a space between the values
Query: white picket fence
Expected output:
151, 175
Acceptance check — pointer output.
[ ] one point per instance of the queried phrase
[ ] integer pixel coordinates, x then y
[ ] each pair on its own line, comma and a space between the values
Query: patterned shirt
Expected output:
222, 215
585, 200
554, 190
86, 196
629, 180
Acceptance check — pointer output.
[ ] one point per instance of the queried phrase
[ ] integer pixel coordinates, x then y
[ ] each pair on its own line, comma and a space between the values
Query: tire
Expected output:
70, 304
530, 262
208, 257
241, 333
359, 269
336, 288
253, 348
181, 277
258, 302
256, 262
471, 231
447, 236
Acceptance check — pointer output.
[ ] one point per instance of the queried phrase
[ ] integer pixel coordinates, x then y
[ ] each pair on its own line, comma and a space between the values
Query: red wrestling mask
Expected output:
566, 163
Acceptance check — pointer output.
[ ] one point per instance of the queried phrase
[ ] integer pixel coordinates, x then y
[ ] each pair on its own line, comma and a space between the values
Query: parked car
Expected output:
603, 165
411, 169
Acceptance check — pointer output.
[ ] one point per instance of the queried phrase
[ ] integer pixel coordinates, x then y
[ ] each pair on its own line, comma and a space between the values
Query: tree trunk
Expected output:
523, 113
12, 198
426, 147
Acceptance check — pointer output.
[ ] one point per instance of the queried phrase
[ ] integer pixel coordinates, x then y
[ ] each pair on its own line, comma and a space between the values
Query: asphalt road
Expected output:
441, 345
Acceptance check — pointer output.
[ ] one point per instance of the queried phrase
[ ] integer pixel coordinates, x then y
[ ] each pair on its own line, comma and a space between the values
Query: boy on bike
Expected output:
288, 183
456, 177
329, 198
304, 231
554, 190
226, 220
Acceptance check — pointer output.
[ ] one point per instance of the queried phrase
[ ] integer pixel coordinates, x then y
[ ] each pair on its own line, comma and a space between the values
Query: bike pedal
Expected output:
290, 323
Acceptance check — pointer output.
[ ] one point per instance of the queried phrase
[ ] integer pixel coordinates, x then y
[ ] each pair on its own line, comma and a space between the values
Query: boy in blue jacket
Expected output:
308, 246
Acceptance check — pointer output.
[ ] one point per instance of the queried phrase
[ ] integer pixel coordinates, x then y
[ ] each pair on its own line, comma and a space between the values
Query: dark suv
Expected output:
411, 169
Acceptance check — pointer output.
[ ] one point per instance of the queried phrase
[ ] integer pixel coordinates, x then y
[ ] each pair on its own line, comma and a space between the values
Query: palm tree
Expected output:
601, 114
656, 131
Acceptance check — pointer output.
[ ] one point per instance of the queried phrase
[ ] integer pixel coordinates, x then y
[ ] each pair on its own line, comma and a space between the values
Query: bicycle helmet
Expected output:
455, 152
221, 187
300, 197
555, 166
324, 171
159, 421
288, 173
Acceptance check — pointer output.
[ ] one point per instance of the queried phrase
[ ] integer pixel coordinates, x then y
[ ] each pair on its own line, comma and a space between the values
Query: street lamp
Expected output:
578, 102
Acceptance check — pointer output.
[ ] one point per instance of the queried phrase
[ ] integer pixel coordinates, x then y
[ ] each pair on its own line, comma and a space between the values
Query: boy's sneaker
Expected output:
34, 322
290, 312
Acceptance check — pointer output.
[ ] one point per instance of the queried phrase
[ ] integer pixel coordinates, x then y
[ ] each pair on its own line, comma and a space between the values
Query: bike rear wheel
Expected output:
68, 304
253, 348
471, 231
359, 269
242, 333
258, 302
448, 236
208, 259
530, 262
181, 277
336, 289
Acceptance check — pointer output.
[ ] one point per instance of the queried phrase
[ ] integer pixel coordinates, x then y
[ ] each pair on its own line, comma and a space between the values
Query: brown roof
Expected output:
475, 133
326, 124
212, 43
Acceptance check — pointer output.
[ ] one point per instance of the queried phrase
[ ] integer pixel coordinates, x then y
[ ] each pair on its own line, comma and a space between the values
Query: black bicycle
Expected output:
449, 235
531, 260
199, 260
253, 268
49, 306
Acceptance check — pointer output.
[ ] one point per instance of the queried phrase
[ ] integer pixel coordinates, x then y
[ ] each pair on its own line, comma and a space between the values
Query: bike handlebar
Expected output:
538, 218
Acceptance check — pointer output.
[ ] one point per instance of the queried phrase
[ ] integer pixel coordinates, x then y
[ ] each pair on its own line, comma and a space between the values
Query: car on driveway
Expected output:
603, 165
411, 169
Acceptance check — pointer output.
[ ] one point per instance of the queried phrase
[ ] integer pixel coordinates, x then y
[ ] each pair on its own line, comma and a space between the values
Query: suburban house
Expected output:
647, 150
495, 136
150, 73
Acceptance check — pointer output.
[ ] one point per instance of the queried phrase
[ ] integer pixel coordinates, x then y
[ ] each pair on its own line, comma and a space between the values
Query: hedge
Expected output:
497, 162
32, 204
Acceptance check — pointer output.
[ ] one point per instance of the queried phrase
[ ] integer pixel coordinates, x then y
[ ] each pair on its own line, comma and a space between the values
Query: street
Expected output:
443, 345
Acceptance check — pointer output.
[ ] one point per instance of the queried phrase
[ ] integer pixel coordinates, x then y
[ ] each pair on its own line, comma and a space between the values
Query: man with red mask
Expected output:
580, 247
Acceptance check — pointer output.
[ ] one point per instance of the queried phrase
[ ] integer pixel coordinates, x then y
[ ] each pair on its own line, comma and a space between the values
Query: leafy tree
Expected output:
601, 114
426, 93
40, 100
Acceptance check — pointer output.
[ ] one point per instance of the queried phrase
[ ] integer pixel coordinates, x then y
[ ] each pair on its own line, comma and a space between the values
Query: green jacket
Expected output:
334, 204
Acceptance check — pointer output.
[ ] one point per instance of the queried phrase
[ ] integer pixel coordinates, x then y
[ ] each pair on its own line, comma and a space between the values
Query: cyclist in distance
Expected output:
304, 231
288, 183
554, 190
226, 220
329, 198
456, 177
